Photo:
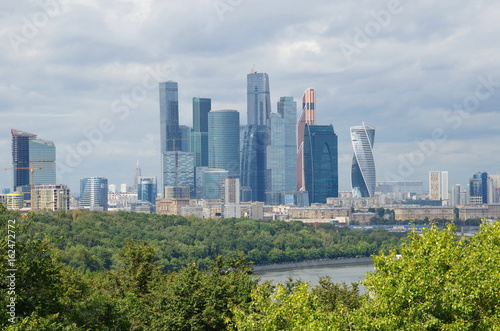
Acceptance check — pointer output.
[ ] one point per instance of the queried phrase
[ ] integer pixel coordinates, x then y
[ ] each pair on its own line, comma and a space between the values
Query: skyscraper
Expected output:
223, 140
199, 134
434, 185
94, 193
137, 174
184, 138
307, 117
320, 162
363, 176
169, 116
258, 98
478, 189
255, 137
282, 150
178, 169
43, 158
21, 157
146, 189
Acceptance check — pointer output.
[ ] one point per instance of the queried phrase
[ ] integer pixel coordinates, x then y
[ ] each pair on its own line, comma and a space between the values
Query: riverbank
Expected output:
312, 263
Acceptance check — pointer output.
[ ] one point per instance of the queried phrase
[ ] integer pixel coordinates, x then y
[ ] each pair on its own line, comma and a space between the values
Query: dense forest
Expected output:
434, 281
89, 241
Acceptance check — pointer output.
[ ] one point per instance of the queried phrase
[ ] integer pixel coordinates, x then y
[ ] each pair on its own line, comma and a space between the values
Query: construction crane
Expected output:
32, 171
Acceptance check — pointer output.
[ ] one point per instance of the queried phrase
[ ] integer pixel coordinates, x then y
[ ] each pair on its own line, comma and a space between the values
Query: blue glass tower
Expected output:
363, 177
146, 189
320, 162
43, 160
223, 140
199, 134
21, 157
94, 193
169, 117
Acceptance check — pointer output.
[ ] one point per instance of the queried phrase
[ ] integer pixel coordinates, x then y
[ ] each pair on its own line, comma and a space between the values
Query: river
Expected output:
351, 272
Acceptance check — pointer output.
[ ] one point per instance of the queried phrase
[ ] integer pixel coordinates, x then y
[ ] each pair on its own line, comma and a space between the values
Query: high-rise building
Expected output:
94, 193
146, 189
169, 116
178, 169
363, 178
434, 185
253, 161
21, 157
137, 174
444, 186
231, 197
320, 162
223, 140
42, 154
199, 134
282, 150
306, 118
184, 138
209, 182
51, 197
258, 98
479, 187
495, 180
458, 196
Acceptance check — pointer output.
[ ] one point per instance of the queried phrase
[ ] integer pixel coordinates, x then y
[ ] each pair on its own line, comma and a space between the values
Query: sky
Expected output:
84, 74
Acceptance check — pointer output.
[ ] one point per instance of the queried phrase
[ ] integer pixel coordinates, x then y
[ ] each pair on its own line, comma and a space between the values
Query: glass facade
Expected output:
146, 189
21, 157
169, 116
258, 98
94, 193
42, 155
478, 186
178, 169
184, 137
199, 134
282, 150
307, 117
223, 140
363, 178
320, 162
253, 161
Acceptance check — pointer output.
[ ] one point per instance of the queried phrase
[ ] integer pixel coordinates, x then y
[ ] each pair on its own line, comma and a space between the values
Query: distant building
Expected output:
400, 190
458, 196
178, 169
479, 186
199, 134
307, 117
42, 154
363, 177
169, 117
223, 140
51, 197
420, 213
282, 150
21, 157
177, 192
209, 182
320, 162
438, 185
253, 161
184, 138
94, 193
14, 201
146, 189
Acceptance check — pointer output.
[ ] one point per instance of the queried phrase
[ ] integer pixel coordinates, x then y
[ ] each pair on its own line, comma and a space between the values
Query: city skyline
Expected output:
430, 86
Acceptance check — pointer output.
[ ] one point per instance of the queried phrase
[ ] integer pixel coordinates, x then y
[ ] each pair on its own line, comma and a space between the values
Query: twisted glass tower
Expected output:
363, 165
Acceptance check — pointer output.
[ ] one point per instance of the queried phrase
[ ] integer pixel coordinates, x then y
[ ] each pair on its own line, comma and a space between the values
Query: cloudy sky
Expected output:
84, 74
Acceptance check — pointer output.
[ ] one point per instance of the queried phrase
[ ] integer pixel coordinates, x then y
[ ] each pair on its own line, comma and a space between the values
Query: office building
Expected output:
320, 162
137, 174
434, 185
253, 161
445, 195
258, 99
199, 133
146, 189
169, 117
21, 157
209, 182
184, 138
42, 156
282, 150
177, 192
94, 193
231, 197
458, 196
306, 118
480, 189
51, 197
223, 140
363, 177
178, 169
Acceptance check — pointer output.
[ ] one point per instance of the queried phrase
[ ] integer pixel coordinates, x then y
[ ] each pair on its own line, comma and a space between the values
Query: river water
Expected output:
349, 273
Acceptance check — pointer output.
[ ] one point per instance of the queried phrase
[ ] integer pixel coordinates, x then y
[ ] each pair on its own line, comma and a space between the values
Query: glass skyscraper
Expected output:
282, 150
94, 193
223, 140
43, 156
258, 98
363, 177
178, 169
146, 189
306, 118
21, 157
320, 162
199, 134
169, 116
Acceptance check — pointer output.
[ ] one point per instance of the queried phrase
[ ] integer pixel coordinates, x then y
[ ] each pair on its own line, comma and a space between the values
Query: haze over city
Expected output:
85, 74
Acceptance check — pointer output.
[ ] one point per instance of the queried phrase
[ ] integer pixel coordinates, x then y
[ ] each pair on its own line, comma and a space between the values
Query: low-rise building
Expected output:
420, 213
320, 215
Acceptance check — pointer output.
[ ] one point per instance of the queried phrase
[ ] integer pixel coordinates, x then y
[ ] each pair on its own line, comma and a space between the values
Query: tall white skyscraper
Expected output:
363, 177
